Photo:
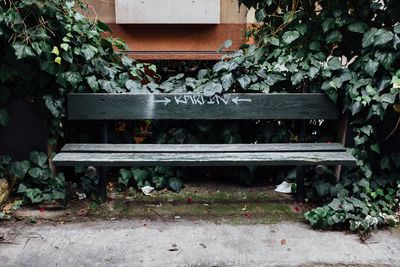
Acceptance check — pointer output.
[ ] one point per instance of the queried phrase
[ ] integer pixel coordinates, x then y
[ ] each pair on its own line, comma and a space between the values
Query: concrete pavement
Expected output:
191, 243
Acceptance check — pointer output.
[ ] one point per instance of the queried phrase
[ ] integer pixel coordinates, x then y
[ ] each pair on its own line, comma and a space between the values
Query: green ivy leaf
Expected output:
88, 51
244, 81
139, 175
39, 158
4, 117
368, 37
315, 46
334, 37
327, 24
385, 163
273, 78
226, 44
375, 147
102, 26
297, 78
371, 67
22, 188
227, 81
71, 77
57, 60
175, 184
36, 172
34, 194
20, 168
55, 51
383, 36
22, 51
92, 82
290, 36
53, 105
358, 26
160, 183
212, 88
334, 63
221, 65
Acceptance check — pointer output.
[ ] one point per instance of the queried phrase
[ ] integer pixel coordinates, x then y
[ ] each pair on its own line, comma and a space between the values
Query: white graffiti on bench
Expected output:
202, 100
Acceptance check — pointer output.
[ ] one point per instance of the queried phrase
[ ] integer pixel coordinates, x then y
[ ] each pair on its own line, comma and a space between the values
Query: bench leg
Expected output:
300, 184
103, 184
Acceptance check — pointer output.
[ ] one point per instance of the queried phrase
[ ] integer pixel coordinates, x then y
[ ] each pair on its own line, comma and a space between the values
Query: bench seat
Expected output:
300, 107
203, 154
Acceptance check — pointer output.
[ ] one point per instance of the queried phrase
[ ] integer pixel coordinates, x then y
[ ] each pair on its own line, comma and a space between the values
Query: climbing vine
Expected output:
346, 49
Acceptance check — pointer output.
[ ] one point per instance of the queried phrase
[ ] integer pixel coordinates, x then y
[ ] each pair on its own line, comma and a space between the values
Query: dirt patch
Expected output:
215, 202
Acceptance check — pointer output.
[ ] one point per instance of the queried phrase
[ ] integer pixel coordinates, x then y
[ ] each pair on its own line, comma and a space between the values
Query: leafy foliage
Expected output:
47, 50
36, 183
158, 177
349, 50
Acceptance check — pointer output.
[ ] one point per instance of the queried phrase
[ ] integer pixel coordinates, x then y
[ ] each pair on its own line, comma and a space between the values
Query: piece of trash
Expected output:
204, 246
190, 199
244, 208
243, 198
81, 195
283, 242
296, 208
41, 210
173, 249
247, 214
284, 187
174, 245
147, 189
177, 217
112, 219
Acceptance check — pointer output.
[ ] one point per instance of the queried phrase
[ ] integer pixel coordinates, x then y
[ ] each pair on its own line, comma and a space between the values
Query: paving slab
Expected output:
191, 243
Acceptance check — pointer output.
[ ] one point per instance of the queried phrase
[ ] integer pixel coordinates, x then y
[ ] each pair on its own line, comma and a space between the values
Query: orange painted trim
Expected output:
186, 42
199, 55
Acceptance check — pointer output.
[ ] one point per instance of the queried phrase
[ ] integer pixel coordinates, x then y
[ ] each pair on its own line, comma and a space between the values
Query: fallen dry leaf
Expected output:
283, 242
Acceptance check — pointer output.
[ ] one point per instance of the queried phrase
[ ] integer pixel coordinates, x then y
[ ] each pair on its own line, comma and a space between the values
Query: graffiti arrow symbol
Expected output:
236, 100
165, 101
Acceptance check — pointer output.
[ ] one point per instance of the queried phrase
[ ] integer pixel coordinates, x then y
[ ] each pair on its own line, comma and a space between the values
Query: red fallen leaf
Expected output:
41, 210
195, 191
247, 214
250, 191
329, 142
145, 224
109, 199
124, 194
190, 199
296, 208
340, 206
82, 211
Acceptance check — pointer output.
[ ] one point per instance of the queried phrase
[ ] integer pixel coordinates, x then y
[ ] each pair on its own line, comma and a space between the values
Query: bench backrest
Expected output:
198, 106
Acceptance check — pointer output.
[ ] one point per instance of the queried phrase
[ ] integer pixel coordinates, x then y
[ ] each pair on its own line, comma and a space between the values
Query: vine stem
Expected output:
395, 128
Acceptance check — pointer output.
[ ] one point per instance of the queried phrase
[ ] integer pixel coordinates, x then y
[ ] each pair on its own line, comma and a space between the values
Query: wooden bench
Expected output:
106, 107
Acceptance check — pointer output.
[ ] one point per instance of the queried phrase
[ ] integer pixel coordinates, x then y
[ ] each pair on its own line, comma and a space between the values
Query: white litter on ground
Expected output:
147, 190
284, 187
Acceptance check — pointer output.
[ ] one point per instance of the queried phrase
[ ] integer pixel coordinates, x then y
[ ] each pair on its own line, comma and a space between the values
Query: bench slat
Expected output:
295, 147
196, 106
204, 159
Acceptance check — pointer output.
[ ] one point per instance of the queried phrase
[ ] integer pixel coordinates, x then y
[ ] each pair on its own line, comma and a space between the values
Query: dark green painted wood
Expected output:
172, 106
204, 159
325, 147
